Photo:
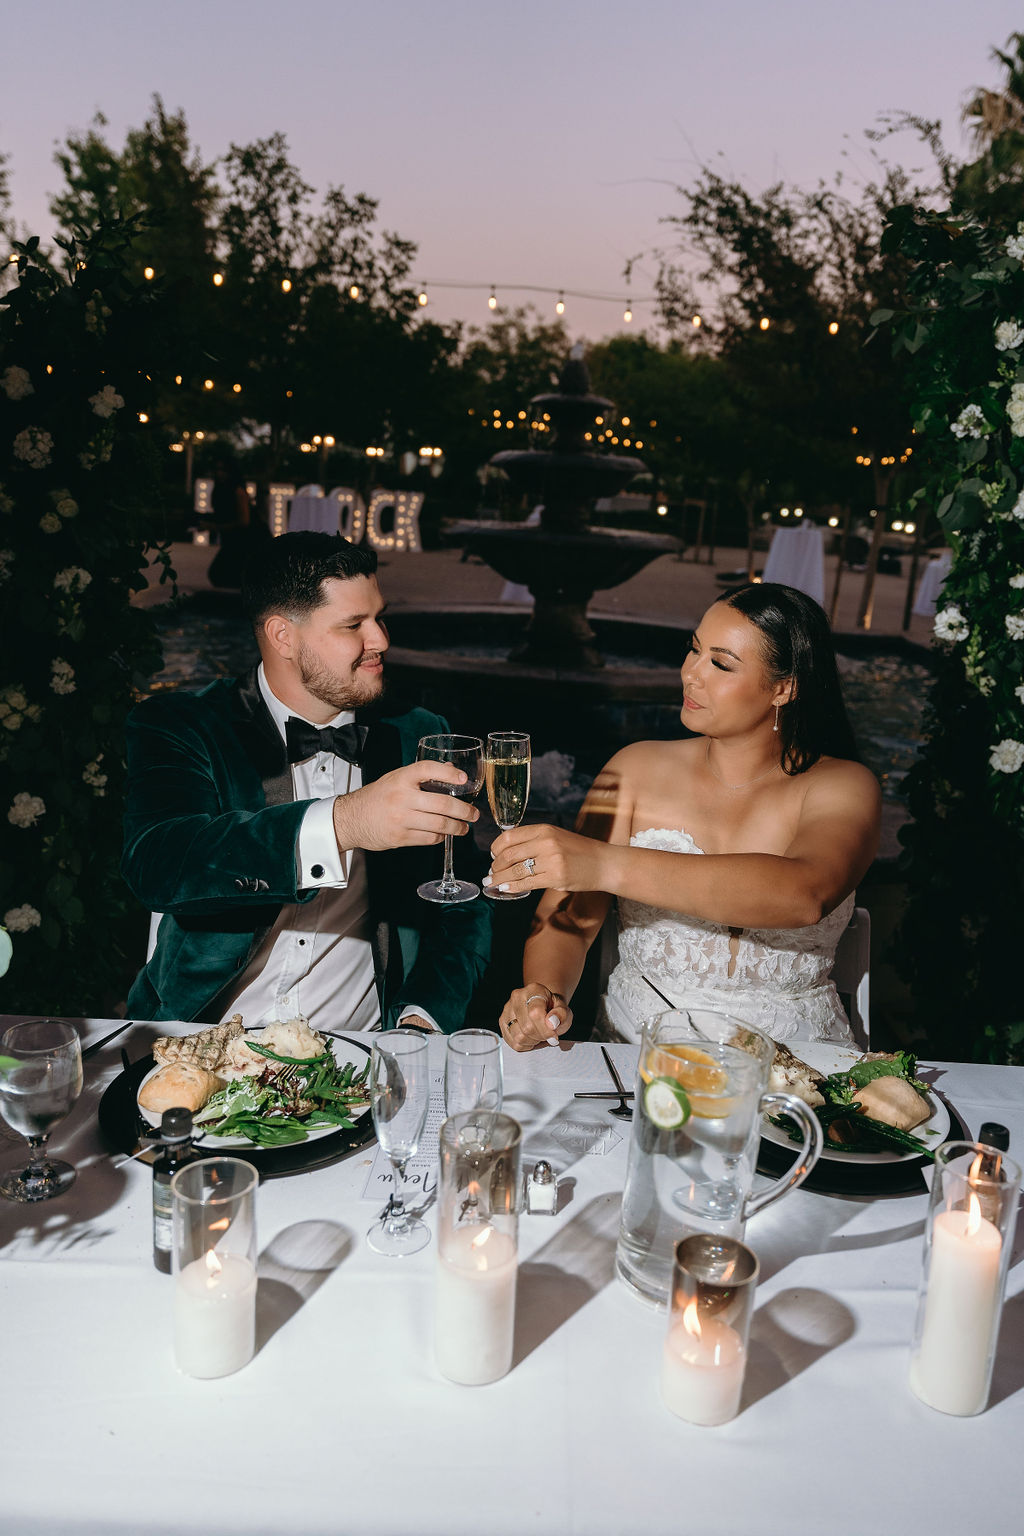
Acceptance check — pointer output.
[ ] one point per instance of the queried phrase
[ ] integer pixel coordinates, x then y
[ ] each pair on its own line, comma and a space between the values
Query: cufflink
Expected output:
317, 871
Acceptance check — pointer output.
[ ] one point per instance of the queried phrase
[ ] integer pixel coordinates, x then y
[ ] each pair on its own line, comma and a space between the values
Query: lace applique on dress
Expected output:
774, 978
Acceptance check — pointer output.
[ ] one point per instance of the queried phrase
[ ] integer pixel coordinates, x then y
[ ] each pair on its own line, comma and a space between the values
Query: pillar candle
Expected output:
961, 1313
475, 1303
702, 1372
215, 1315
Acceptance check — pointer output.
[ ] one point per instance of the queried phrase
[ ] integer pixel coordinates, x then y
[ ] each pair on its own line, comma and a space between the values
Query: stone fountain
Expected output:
563, 561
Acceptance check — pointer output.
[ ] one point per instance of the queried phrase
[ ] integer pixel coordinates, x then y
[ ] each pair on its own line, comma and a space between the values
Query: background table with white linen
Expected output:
342, 1422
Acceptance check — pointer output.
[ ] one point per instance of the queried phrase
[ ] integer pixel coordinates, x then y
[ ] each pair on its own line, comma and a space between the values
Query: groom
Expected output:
279, 823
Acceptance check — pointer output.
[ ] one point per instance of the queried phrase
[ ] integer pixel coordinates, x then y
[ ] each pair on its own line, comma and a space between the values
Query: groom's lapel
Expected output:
261, 740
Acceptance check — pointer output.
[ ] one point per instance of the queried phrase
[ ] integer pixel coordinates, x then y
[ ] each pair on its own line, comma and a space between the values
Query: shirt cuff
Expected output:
419, 1013
319, 862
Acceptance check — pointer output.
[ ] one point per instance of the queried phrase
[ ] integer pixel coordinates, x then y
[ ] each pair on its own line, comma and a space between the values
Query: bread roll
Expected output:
178, 1087
893, 1101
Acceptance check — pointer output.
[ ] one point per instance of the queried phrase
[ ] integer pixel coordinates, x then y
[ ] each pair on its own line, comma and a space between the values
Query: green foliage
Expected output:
79, 352
964, 328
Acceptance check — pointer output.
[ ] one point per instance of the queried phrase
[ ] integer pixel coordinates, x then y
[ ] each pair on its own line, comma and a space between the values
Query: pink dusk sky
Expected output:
530, 143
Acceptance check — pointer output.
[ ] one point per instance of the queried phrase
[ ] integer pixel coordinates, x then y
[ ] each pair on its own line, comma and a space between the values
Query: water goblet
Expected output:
472, 1072
507, 767
465, 752
40, 1079
399, 1096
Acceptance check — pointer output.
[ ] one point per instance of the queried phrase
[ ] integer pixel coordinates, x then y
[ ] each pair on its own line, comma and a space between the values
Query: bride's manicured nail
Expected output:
503, 887
553, 1040
553, 1021
487, 879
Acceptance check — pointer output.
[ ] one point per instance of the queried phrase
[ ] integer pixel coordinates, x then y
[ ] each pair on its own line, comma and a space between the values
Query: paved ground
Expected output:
669, 589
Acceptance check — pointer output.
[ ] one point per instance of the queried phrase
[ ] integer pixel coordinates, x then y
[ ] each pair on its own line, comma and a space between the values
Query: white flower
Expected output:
72, 579
25, 810
65, 503
63, 673
1017, 510
1015, 626
107, 401
1018, 580
1015, 244
16, 383
1019, 692
1009, 336
1007, 757
96, 313
950, 624
970, 422
21, 919
34, 446
1015, 410
50, 523
94, 778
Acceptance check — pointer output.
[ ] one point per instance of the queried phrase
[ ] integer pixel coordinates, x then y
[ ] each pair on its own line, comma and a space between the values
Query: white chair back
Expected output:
154, 924
851, 972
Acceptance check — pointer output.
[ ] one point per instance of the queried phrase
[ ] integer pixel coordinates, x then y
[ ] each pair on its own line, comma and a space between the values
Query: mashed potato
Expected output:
292, 1037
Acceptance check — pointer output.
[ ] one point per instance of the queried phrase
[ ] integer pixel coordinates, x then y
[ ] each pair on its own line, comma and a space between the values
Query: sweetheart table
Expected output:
342, 1422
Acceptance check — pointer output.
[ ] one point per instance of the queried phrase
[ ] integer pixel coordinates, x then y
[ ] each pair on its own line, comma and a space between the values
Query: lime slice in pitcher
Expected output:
667, 1104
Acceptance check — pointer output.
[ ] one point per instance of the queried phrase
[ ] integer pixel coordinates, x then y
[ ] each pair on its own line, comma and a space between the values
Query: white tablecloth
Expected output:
342, 1423
797, 559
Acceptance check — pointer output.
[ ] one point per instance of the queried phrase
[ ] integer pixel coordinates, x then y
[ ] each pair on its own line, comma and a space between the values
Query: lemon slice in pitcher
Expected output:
695, 1073
666, 1103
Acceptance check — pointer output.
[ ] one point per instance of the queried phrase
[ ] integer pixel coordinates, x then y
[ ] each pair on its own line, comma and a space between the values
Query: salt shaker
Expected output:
541, 1191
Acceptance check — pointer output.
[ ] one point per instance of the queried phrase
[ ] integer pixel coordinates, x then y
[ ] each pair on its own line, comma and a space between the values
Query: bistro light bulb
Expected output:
328, 442
910, 528
663, 510
784, 512
627, 314
177, 378
492, 302
833, 329
697, 322
237, 388
897, 526
833, 522
353, 291
765, 322
218, 278
207, 383
147, 272
559, 305
421, 298
143, 417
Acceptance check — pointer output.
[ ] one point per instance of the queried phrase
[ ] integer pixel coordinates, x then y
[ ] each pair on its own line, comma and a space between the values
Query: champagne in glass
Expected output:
508, 789
465, 752
40, 1080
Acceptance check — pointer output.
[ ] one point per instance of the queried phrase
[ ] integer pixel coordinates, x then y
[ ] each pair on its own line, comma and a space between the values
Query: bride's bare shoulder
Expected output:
641, 759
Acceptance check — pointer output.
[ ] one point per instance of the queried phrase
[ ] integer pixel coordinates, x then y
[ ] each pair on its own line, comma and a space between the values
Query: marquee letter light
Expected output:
202, 491
278, 497
406, 533
351, 513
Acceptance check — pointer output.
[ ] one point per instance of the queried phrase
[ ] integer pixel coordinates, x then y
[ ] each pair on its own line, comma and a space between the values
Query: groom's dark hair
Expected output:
286, 574
796, 643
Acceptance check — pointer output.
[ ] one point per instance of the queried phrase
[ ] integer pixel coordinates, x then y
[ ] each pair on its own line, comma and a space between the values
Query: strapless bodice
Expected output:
774, 978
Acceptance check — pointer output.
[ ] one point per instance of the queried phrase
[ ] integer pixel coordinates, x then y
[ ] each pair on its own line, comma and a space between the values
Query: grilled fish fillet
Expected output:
207, 1049
788, 1074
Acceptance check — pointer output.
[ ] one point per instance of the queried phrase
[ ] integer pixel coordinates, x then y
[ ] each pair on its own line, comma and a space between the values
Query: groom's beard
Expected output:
332, 687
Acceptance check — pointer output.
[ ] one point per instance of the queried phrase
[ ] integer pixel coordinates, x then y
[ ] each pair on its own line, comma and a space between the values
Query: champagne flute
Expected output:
472, 1072
465, 752
508, 789
40, 1079
399, 1097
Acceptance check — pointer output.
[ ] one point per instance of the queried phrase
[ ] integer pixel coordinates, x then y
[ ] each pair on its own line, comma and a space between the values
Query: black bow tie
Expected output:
304, 740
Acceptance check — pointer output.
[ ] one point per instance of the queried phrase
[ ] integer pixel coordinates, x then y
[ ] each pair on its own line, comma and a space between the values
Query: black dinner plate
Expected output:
829, 1177
121, 1126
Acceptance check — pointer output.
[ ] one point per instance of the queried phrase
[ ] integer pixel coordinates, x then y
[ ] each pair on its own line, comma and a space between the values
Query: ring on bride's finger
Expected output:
536, 998
529, 865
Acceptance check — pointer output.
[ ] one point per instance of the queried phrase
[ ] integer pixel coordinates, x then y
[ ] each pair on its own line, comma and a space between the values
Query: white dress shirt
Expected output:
316, 960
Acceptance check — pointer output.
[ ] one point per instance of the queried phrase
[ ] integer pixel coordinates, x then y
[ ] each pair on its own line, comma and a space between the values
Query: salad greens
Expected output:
847, 1128
281, 1106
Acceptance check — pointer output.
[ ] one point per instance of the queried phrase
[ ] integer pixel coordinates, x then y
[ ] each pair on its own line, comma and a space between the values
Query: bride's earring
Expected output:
776, 725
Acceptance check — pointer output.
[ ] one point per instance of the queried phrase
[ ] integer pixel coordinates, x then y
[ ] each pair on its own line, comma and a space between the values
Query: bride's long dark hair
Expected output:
797, 644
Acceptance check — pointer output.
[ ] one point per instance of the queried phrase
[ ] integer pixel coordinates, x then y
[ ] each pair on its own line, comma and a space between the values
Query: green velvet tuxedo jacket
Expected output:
210, 839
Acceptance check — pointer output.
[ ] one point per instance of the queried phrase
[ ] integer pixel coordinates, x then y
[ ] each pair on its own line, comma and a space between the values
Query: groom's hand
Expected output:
395, 811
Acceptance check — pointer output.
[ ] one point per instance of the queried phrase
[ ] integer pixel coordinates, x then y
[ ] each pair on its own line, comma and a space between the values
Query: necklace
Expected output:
763, 775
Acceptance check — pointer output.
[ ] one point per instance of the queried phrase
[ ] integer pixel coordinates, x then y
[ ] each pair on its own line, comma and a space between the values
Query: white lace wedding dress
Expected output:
774, 978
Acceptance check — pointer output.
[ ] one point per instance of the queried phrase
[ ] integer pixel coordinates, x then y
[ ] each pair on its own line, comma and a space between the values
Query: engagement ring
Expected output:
536, 998
529, 866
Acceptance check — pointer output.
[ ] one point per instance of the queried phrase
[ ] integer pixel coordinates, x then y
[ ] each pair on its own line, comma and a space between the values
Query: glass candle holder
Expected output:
213, 1212
705, 1351
477, 1257
968, 1237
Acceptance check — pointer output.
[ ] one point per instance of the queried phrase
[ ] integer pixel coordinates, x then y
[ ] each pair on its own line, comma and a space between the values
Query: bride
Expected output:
776, 820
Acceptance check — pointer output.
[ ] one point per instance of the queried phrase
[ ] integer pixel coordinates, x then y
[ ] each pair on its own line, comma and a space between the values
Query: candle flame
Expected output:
973, 1215
691, 1318
213, 1268
222, 1225
976, 1167
482, 1237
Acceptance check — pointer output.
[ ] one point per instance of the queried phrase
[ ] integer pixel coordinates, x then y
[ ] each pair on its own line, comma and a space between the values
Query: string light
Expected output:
764, 322
492, 302
559, 304
697, 322
286, 285
833, 522
421, 298
143, 417
353, 291
207, 383
148, 274
218, 278
833, 329
237, 388
627, 314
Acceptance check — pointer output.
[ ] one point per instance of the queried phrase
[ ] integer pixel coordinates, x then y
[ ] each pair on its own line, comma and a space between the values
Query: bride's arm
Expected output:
834, 843
564, 927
